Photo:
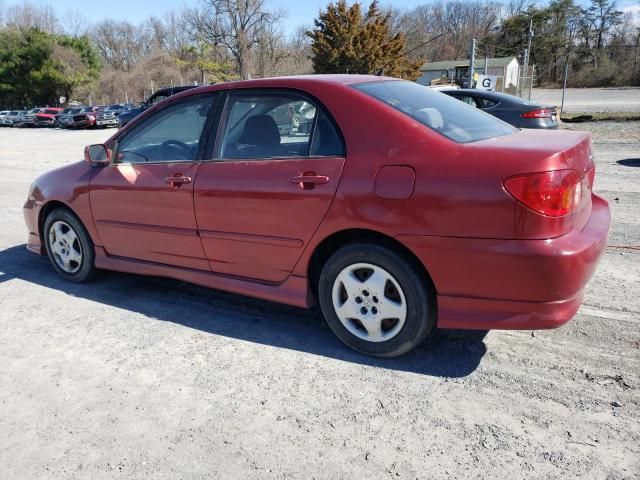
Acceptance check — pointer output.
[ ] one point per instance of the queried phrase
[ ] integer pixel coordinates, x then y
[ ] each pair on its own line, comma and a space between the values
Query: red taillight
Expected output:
539, 113
550, 193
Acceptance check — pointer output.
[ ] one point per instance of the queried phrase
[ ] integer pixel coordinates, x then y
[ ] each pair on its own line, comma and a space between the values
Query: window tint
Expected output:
484, 102
158, 98
326, 140
467, 99
267, 126
172, 134
441, 113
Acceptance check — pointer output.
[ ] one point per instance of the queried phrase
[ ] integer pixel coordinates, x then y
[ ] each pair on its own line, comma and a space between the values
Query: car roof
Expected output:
293, 81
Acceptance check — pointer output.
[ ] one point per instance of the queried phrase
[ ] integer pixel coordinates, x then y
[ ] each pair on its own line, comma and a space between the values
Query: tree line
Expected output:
45, 54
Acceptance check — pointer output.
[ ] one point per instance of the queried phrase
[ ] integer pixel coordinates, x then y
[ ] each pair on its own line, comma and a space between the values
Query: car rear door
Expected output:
274, 171
142, 203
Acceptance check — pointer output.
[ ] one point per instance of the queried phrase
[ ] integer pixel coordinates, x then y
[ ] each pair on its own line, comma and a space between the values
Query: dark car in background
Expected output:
158, 96
65, 119
514, 110
65, 111
84, 118
109, 116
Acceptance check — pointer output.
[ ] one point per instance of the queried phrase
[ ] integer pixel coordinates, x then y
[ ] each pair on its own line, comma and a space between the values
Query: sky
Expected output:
298, 12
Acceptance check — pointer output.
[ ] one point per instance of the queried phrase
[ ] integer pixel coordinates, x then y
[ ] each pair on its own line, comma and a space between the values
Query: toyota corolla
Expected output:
398, 209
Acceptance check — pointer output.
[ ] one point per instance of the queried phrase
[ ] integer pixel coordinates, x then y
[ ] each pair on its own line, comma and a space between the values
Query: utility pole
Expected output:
527, 52
472, 62
635, 58
564, 85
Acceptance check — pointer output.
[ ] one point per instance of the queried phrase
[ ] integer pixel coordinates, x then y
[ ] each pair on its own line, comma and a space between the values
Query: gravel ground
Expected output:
134, 377
590, 100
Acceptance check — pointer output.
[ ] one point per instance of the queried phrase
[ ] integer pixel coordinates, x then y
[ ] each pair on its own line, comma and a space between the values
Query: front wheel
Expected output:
375, 300
69, 246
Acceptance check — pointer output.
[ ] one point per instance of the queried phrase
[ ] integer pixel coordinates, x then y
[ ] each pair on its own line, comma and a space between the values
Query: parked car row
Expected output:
96, 116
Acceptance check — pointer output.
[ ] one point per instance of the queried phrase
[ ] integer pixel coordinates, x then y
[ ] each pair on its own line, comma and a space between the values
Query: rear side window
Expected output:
438, 111
276, 125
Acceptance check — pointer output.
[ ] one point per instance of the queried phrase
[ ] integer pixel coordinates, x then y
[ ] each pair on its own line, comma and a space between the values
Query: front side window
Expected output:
439, 112
276, 125
172, 134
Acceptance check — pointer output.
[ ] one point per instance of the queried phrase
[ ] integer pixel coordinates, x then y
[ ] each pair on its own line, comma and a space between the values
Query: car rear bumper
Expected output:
512, 284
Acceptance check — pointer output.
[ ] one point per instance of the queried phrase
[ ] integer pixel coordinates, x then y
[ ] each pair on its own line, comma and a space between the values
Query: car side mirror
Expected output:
96, 155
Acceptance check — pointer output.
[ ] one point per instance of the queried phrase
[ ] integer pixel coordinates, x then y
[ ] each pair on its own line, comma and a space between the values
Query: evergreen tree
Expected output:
37, 67
346, 41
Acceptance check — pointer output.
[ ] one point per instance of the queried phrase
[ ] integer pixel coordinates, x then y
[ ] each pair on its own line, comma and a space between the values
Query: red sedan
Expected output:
396, 208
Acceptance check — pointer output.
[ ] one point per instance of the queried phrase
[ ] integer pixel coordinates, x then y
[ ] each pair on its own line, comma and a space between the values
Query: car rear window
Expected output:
439, 112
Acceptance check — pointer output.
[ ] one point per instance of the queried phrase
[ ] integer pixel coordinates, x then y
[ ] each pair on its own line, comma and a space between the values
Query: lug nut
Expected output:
364, 310
374, 310
365, 293
358, 300
375, 299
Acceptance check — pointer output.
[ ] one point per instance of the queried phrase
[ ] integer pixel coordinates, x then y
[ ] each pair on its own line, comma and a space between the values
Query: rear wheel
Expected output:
375, 300
69, 247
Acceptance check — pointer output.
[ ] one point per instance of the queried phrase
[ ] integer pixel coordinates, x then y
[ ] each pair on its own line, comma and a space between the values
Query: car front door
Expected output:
142, 203
273, 174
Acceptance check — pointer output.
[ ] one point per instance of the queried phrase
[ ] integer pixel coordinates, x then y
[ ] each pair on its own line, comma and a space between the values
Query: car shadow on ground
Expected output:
629, 162
448, 354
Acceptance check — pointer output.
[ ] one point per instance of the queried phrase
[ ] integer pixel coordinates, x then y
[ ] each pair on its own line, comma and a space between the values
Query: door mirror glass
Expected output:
96, 155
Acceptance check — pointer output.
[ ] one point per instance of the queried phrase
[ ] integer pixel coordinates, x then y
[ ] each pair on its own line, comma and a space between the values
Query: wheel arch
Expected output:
46, 209
338, 239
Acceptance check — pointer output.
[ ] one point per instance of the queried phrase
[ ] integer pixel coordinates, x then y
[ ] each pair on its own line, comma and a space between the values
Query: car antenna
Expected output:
380, 72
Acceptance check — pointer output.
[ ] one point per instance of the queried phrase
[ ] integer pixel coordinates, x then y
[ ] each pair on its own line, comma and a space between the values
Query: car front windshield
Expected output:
111, 108
439, 112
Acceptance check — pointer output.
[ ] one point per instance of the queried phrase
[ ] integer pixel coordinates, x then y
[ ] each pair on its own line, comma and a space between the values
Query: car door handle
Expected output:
309, 181
177, 180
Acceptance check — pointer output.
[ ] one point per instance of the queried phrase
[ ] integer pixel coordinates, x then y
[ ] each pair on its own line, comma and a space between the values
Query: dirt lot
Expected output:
591, 100
133, 377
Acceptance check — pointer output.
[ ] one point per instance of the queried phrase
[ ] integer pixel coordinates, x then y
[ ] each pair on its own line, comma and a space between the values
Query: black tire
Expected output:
87, 269
419, 295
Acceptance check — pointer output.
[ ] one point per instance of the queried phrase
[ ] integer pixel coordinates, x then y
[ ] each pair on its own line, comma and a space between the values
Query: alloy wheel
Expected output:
65, 246
369, 302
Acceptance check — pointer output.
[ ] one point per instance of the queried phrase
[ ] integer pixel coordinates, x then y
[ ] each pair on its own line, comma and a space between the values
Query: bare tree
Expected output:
75, 23
121, 44
234, 24
32, 15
